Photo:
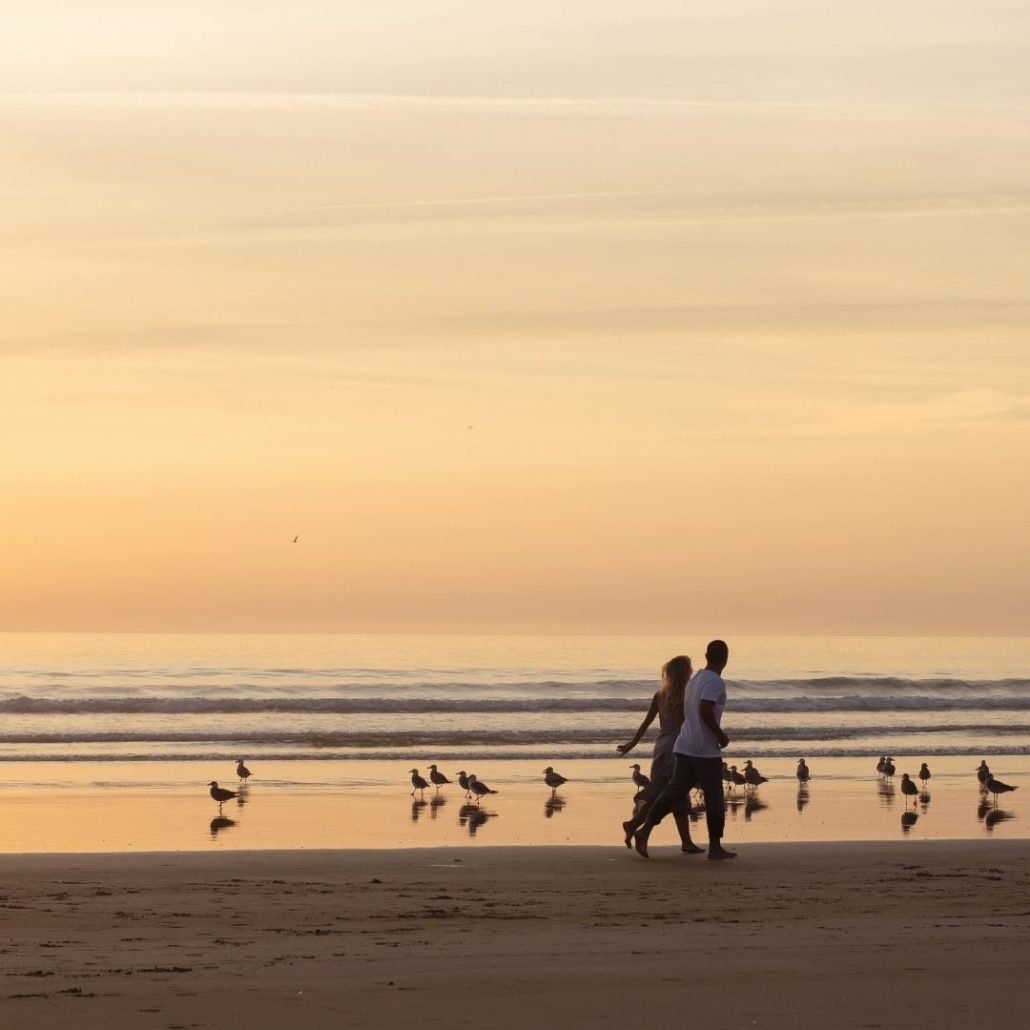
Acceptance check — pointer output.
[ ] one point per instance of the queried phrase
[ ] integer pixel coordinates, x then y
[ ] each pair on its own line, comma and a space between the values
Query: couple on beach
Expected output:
687, 752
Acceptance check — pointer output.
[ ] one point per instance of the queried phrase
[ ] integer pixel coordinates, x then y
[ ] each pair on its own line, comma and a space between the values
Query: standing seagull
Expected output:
983, 774
924, 774
479, 789
438, 778
737, 779
417, 782
996, 787
752, 776
220, 794
881, 763
242, 771
553, 780
888, 767
803, 774
463, 781
908, 788
639, 778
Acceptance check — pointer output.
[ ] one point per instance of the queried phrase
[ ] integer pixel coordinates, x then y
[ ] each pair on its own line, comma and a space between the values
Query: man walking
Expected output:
697, 750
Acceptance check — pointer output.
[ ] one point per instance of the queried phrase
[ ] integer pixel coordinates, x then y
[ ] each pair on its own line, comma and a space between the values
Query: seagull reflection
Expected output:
908, 820
435, 802
995, 816
732, 804
242, 795
416, 809
219, 823
553, 804
886, 790
752, 805
924, 799
473, 816
983, 808
802, 796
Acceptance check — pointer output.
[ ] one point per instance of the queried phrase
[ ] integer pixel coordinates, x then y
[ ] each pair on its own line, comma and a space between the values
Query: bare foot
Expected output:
716, 853
627, 828
692, 849
640, 842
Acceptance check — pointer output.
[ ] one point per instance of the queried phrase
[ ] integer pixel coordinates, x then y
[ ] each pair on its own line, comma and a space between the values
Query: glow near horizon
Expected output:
735, 300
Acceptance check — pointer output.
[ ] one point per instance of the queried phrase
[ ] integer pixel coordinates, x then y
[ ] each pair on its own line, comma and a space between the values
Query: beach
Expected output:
903, 934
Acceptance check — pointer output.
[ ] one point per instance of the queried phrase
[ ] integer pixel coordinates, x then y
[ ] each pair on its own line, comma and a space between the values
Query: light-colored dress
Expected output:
663, 761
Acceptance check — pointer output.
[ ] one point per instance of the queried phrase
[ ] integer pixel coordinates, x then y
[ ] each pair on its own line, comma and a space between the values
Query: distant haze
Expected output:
614, 317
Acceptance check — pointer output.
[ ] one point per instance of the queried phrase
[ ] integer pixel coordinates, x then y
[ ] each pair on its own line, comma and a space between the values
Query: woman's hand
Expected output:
624, 749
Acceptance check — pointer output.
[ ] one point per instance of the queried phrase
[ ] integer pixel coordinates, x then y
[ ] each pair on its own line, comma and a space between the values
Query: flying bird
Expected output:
296, 538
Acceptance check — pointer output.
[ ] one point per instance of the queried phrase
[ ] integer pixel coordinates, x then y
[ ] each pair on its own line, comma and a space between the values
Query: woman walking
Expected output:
667, 706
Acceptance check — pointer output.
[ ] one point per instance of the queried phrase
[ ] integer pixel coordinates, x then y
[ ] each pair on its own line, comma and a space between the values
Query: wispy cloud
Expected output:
544, 105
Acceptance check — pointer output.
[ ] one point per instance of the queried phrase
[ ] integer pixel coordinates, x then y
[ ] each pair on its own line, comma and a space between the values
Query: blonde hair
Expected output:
676, 674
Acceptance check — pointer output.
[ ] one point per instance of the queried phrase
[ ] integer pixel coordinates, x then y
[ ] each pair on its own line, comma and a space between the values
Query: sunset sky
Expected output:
573, 316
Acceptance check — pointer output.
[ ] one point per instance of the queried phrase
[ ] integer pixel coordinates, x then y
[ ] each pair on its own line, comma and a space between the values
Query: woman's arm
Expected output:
652, 711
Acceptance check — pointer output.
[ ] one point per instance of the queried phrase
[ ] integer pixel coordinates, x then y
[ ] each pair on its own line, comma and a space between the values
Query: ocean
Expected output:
109, 742
136, 697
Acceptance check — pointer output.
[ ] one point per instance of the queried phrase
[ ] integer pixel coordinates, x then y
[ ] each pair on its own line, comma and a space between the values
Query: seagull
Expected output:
888, 767
463, 781
639, 778
437, 777
553, 780
880, 764
924, 773
479, 789
983, 774
752, 776
803, 774
242, 771
737, 778
220, 794
908, 788
417, 782
996, 787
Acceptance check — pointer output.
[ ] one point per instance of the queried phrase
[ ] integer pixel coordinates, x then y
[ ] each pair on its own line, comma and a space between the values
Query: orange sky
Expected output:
601, 317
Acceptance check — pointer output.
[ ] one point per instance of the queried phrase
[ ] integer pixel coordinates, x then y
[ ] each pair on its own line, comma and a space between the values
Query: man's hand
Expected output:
723, 739
624, 748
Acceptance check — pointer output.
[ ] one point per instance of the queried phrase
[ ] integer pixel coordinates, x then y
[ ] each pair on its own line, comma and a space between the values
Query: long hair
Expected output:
676, 674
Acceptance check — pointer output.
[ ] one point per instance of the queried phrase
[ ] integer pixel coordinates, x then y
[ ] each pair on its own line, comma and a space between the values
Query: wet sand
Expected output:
902, 934
165, 806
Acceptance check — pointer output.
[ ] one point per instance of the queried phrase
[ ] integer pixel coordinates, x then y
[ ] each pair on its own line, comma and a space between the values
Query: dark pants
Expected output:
689, 773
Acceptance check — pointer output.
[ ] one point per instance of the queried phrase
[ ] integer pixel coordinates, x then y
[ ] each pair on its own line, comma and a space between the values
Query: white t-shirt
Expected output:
696, 739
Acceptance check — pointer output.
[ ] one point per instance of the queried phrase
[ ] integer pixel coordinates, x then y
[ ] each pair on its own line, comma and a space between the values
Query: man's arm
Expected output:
707, 712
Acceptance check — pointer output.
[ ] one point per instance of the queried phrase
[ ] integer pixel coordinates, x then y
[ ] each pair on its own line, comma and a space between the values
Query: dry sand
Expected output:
900, 934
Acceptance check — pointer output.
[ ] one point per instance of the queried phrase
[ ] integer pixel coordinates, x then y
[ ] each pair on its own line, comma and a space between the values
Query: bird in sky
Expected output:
296, 538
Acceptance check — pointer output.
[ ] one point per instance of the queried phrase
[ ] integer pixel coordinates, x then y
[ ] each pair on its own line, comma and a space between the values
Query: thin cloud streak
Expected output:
560, 105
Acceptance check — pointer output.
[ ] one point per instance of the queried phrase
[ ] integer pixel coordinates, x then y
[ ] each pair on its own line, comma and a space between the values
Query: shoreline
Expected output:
849, 934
